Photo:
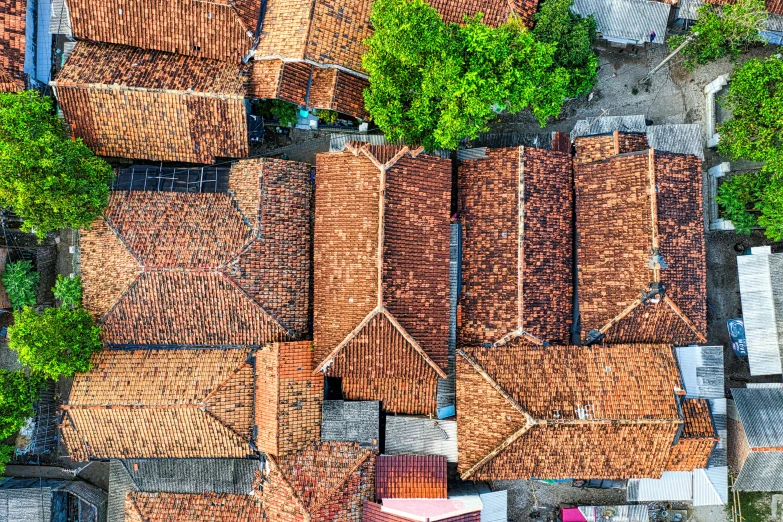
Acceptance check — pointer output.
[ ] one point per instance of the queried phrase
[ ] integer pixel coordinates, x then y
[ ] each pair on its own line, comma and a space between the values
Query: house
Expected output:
194, 403
756, 438
761, 292
627, 21
613, 412
128, 102
641, 258
323, 482
245, 254
516, 211
381, 274
44, 500
12, 45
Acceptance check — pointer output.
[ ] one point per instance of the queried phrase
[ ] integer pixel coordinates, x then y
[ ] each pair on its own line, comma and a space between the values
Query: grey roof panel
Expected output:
120, 483
88, 493
608, 124
351, 421
761, 291
681, 138
762, 471
409, 435
688, 9
26, 505
701, 368
626, 19
761, 414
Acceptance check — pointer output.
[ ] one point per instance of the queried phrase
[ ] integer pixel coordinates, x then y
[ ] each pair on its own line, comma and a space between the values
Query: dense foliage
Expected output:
18, 392
68, 291
755, 133
57, 341
574, 36
21, 282
49, 180
285, 113
724, 30
433, 83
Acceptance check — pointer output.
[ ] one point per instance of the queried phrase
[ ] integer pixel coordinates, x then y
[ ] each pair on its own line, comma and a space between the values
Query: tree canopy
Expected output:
755, 132
49, 180
434, 83
18, 392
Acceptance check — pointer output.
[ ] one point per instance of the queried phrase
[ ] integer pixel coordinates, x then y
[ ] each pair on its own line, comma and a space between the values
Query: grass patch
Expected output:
756, 506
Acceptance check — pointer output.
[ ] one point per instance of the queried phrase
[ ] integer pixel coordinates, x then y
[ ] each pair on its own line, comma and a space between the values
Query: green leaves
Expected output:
50, 181
20, 281
433, 83
57, 341
68, 291
18, 392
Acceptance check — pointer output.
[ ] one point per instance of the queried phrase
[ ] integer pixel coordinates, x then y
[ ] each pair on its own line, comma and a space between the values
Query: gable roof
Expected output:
642, 266
145, 104
407, 476
588, 412
516, 209
697, 440
381, 264
12, 44
324, 482
759, 411
162, 403
145, 262
215, 507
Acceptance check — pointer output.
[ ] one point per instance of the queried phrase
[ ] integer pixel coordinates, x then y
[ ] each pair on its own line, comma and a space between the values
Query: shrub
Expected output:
6, 452
57, 341
68, 291
18, 392
285, 113
20, 281
326, 116
738, 197
49, 180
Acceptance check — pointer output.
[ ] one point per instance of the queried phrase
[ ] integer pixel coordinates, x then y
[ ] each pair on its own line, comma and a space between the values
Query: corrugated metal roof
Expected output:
762, 471
681, 138
608, 124
718, 412
468, 154
495, 506
447, 388
338, 140
761, 291
701, 368
764, 385
26, 505
540, 140
688, 9
626, 19
351, 421
408, 435
60, 22
775, 23
711, 486
761, 414
627, 513
672, 486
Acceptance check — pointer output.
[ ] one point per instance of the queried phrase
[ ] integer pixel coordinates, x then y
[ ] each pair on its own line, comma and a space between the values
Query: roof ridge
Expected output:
359, 464
414, 344
131, 88
290, 487
136, 278
495, 452
678, 311
351, 336
253, 300
208, 413
220, 386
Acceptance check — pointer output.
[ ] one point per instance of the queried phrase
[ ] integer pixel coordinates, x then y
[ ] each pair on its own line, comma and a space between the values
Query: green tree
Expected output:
724, 30
755, 133
434, 83
20, 281
68, 291
49, 180
18, 392
57, 341
574, 36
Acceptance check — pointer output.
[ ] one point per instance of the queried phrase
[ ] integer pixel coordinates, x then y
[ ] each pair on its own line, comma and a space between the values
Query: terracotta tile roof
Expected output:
625, 238
403, 476
372, 512
773, 6
517, 259
202, 29
697, 439
122, 101
362, 324
184, 507
162, 403
154, 251
12, 44
288, 398
325, 482
592, 412
603, 146
495, 12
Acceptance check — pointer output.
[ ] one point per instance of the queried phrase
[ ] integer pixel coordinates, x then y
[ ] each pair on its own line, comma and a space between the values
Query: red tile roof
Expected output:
697, 440
145, 263
325, 482
122, 101
495, 12
404, 476
381, 273
622, 230
566, 411
183, 507
12, 44
162, 403
517, 259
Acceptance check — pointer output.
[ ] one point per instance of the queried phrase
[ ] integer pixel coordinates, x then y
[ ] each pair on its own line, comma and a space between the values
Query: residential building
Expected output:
613, 412
761, 292
381, 274
756, 438
12, 45
629, 22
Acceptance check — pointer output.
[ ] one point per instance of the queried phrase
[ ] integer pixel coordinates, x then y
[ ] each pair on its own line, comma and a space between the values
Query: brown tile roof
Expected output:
362, 323
622, 230
603, 146
566, 411
697, 440
404, 476
162, 403
201, 29
517, 260
773, 6
325, 482
144, 264
183, 507
136, 103
495, 12
12, 44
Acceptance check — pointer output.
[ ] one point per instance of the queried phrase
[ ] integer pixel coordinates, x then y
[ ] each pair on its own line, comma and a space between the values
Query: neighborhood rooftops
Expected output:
134, 103
246, 255
12, 44
381, 281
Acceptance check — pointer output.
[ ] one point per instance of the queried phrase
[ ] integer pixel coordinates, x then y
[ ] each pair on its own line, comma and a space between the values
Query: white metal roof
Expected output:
626, 19
701, 368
